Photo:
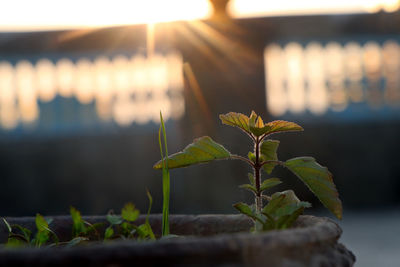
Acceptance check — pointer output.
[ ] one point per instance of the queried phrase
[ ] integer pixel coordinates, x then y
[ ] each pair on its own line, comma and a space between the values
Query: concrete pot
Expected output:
210, 240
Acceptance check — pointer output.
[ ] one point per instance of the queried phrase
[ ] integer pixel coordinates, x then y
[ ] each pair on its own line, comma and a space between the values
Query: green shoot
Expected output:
165, 179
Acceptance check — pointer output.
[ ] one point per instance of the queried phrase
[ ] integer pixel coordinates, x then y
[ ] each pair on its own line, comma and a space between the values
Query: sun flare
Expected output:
42, 15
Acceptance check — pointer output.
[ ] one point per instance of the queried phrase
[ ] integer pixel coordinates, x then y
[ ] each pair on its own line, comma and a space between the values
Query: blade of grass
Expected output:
166, 179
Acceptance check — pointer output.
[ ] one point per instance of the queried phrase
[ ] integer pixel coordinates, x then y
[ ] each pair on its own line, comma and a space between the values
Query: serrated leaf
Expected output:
268, 149
268, 183
108, 233
237, 120
248, 187
202, 150
281, 126
129, 212
319, 180
251, 179
114, 219
257, 128
7, 225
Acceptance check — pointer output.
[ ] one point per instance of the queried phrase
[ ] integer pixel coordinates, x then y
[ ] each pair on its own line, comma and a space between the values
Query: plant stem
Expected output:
233, 156
257, 177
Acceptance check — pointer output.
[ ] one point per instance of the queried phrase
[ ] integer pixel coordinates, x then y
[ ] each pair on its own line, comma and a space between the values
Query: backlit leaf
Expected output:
203, 149
281, 126
319, 181
256, 124
129, 212
268, 149
237, 120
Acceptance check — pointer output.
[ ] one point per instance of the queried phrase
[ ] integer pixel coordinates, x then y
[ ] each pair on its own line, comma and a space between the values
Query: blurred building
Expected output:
79, 109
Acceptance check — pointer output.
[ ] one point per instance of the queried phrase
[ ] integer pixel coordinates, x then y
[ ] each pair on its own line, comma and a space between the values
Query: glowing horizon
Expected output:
47, 15
256, 8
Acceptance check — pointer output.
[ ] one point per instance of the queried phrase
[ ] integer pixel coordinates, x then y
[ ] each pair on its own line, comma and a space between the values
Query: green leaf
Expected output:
291, 208
41, 223
109, 232
237, 120
143, 231
246, 210
249, 187
78, 225
287, 221
268, 183
251, 179
43, 231
274, 204
251, 156
203, 149
114, 219
129, 212
256, 124
281, 126
165, 181
268, 149
41, 238
7, 225
319, 181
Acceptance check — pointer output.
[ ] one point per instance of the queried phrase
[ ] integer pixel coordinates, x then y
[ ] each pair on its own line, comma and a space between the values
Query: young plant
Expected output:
282, 208
122, 226
21, 236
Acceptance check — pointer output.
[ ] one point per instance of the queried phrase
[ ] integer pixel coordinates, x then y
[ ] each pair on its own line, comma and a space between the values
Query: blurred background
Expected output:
82, 84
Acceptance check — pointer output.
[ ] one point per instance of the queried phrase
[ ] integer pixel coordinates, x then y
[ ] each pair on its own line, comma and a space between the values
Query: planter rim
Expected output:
310, 235
318, 229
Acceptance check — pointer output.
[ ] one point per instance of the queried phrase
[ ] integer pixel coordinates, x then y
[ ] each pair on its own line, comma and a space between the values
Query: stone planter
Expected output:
211, 240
